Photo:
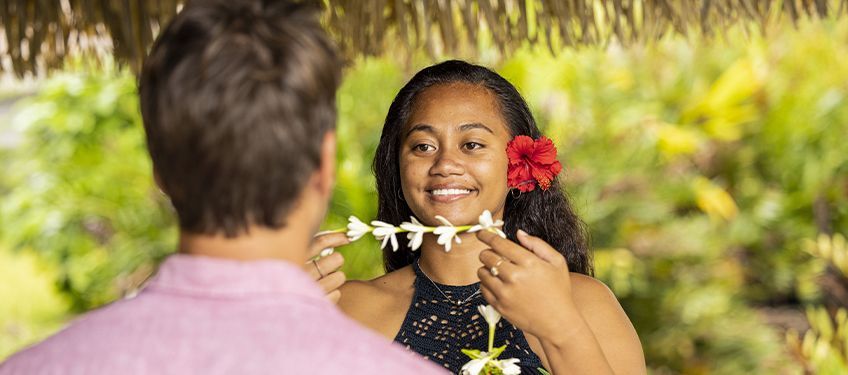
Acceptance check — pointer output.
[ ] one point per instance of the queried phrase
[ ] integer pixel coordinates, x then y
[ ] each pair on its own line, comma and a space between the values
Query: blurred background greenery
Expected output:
713, 177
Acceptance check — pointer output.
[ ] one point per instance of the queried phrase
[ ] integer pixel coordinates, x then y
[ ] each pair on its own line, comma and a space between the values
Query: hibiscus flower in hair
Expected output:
531, 162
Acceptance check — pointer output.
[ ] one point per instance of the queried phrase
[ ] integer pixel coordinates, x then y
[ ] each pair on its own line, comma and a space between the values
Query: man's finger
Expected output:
332, 281
334, 296
331, 263
322, 267
327, 241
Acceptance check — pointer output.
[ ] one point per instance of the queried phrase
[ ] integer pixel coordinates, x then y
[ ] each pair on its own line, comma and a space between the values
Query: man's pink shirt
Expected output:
202, 315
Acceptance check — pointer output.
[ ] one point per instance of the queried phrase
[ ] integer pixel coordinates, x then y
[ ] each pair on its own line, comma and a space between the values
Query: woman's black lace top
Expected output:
443, 319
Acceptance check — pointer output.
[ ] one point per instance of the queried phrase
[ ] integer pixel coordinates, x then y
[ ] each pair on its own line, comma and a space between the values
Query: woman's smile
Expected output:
448, 193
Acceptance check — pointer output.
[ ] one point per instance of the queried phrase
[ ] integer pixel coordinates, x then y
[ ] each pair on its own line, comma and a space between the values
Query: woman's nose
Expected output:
447, 164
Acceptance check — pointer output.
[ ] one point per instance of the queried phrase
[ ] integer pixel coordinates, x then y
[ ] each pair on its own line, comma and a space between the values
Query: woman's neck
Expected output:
457, 267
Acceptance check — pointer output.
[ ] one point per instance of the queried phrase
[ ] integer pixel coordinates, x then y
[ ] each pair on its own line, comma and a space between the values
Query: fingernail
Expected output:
326, 252
522, 233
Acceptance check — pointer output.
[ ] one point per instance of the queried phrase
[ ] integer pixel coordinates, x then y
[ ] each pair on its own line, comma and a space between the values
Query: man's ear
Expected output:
327, 168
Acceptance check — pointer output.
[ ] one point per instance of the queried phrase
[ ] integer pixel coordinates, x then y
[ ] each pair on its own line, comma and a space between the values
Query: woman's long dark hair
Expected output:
546, 214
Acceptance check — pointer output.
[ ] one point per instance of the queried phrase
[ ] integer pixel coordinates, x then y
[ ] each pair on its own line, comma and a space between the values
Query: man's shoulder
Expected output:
83, 339
322, 339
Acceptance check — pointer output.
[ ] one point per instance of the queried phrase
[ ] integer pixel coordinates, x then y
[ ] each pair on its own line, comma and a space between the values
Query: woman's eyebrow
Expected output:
475, 125
421, 128
462, 128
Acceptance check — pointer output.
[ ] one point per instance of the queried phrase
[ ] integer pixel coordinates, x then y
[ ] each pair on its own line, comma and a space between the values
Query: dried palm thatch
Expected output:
37, 35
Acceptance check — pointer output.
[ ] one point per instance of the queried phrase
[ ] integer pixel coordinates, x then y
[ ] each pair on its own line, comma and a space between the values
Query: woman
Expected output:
442, 152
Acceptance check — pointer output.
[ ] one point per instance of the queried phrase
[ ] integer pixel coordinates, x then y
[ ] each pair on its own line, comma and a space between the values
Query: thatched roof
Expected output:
37, 35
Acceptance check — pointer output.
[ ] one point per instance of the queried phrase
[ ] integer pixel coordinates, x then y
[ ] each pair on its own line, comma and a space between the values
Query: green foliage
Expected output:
824, 348
363, 101
25, 277
832, 249
83, 194
701, 170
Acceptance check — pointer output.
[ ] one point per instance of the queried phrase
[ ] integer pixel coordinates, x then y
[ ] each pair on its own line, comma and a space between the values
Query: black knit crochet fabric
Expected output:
438, 328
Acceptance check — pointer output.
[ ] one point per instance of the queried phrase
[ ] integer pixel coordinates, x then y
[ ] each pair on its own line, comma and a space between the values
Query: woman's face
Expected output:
453, 158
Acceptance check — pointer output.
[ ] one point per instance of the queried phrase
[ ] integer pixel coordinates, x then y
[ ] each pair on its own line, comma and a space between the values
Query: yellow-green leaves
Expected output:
824, 347
729, 102
714, 200
830, 248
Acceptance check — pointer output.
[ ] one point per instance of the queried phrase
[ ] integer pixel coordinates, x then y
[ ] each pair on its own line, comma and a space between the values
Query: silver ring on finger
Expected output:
318, 268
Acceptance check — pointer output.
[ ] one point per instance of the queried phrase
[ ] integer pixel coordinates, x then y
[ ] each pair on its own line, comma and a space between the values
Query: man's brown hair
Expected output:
236, 97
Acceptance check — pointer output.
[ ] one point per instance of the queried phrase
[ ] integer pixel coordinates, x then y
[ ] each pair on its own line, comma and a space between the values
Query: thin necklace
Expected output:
460, 303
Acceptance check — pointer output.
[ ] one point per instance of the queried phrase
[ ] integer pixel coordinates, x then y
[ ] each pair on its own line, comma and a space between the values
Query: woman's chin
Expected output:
457, 213
464, 216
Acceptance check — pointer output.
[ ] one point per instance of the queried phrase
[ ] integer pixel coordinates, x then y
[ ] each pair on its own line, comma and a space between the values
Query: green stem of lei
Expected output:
491, 337
459, 229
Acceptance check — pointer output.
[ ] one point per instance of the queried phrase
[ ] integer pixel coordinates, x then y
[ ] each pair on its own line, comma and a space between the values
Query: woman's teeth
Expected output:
451, 191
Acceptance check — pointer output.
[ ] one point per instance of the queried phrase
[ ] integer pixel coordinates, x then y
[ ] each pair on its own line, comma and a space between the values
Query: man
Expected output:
238, 102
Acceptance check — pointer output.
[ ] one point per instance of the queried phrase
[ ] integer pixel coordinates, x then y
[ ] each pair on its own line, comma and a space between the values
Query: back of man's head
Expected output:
236, 97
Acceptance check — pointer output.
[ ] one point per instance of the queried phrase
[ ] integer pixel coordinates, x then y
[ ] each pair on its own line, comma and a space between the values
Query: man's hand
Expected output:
326, 270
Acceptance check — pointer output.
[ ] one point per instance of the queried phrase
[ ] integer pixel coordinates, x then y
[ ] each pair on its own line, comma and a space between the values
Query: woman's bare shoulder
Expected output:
593, 297
380, 303
381, 291
384, 286
589, 289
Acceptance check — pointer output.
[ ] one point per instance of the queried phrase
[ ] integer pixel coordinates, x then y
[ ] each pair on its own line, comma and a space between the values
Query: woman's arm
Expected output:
581, 325
595, 331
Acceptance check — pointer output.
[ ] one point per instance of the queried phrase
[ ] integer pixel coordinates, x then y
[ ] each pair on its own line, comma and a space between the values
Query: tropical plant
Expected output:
39, 35
81, 191
823, 349
702, 170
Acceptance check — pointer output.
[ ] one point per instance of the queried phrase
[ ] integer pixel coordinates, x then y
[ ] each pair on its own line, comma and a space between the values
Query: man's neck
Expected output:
289, 244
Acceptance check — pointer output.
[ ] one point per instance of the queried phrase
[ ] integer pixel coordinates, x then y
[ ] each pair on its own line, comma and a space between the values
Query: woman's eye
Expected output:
423, 147
472, 146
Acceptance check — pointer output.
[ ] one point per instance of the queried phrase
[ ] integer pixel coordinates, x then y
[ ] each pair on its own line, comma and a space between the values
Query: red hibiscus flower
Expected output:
531, 162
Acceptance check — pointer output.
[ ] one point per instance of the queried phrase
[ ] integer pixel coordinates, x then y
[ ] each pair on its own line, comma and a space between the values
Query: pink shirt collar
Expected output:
225, 278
